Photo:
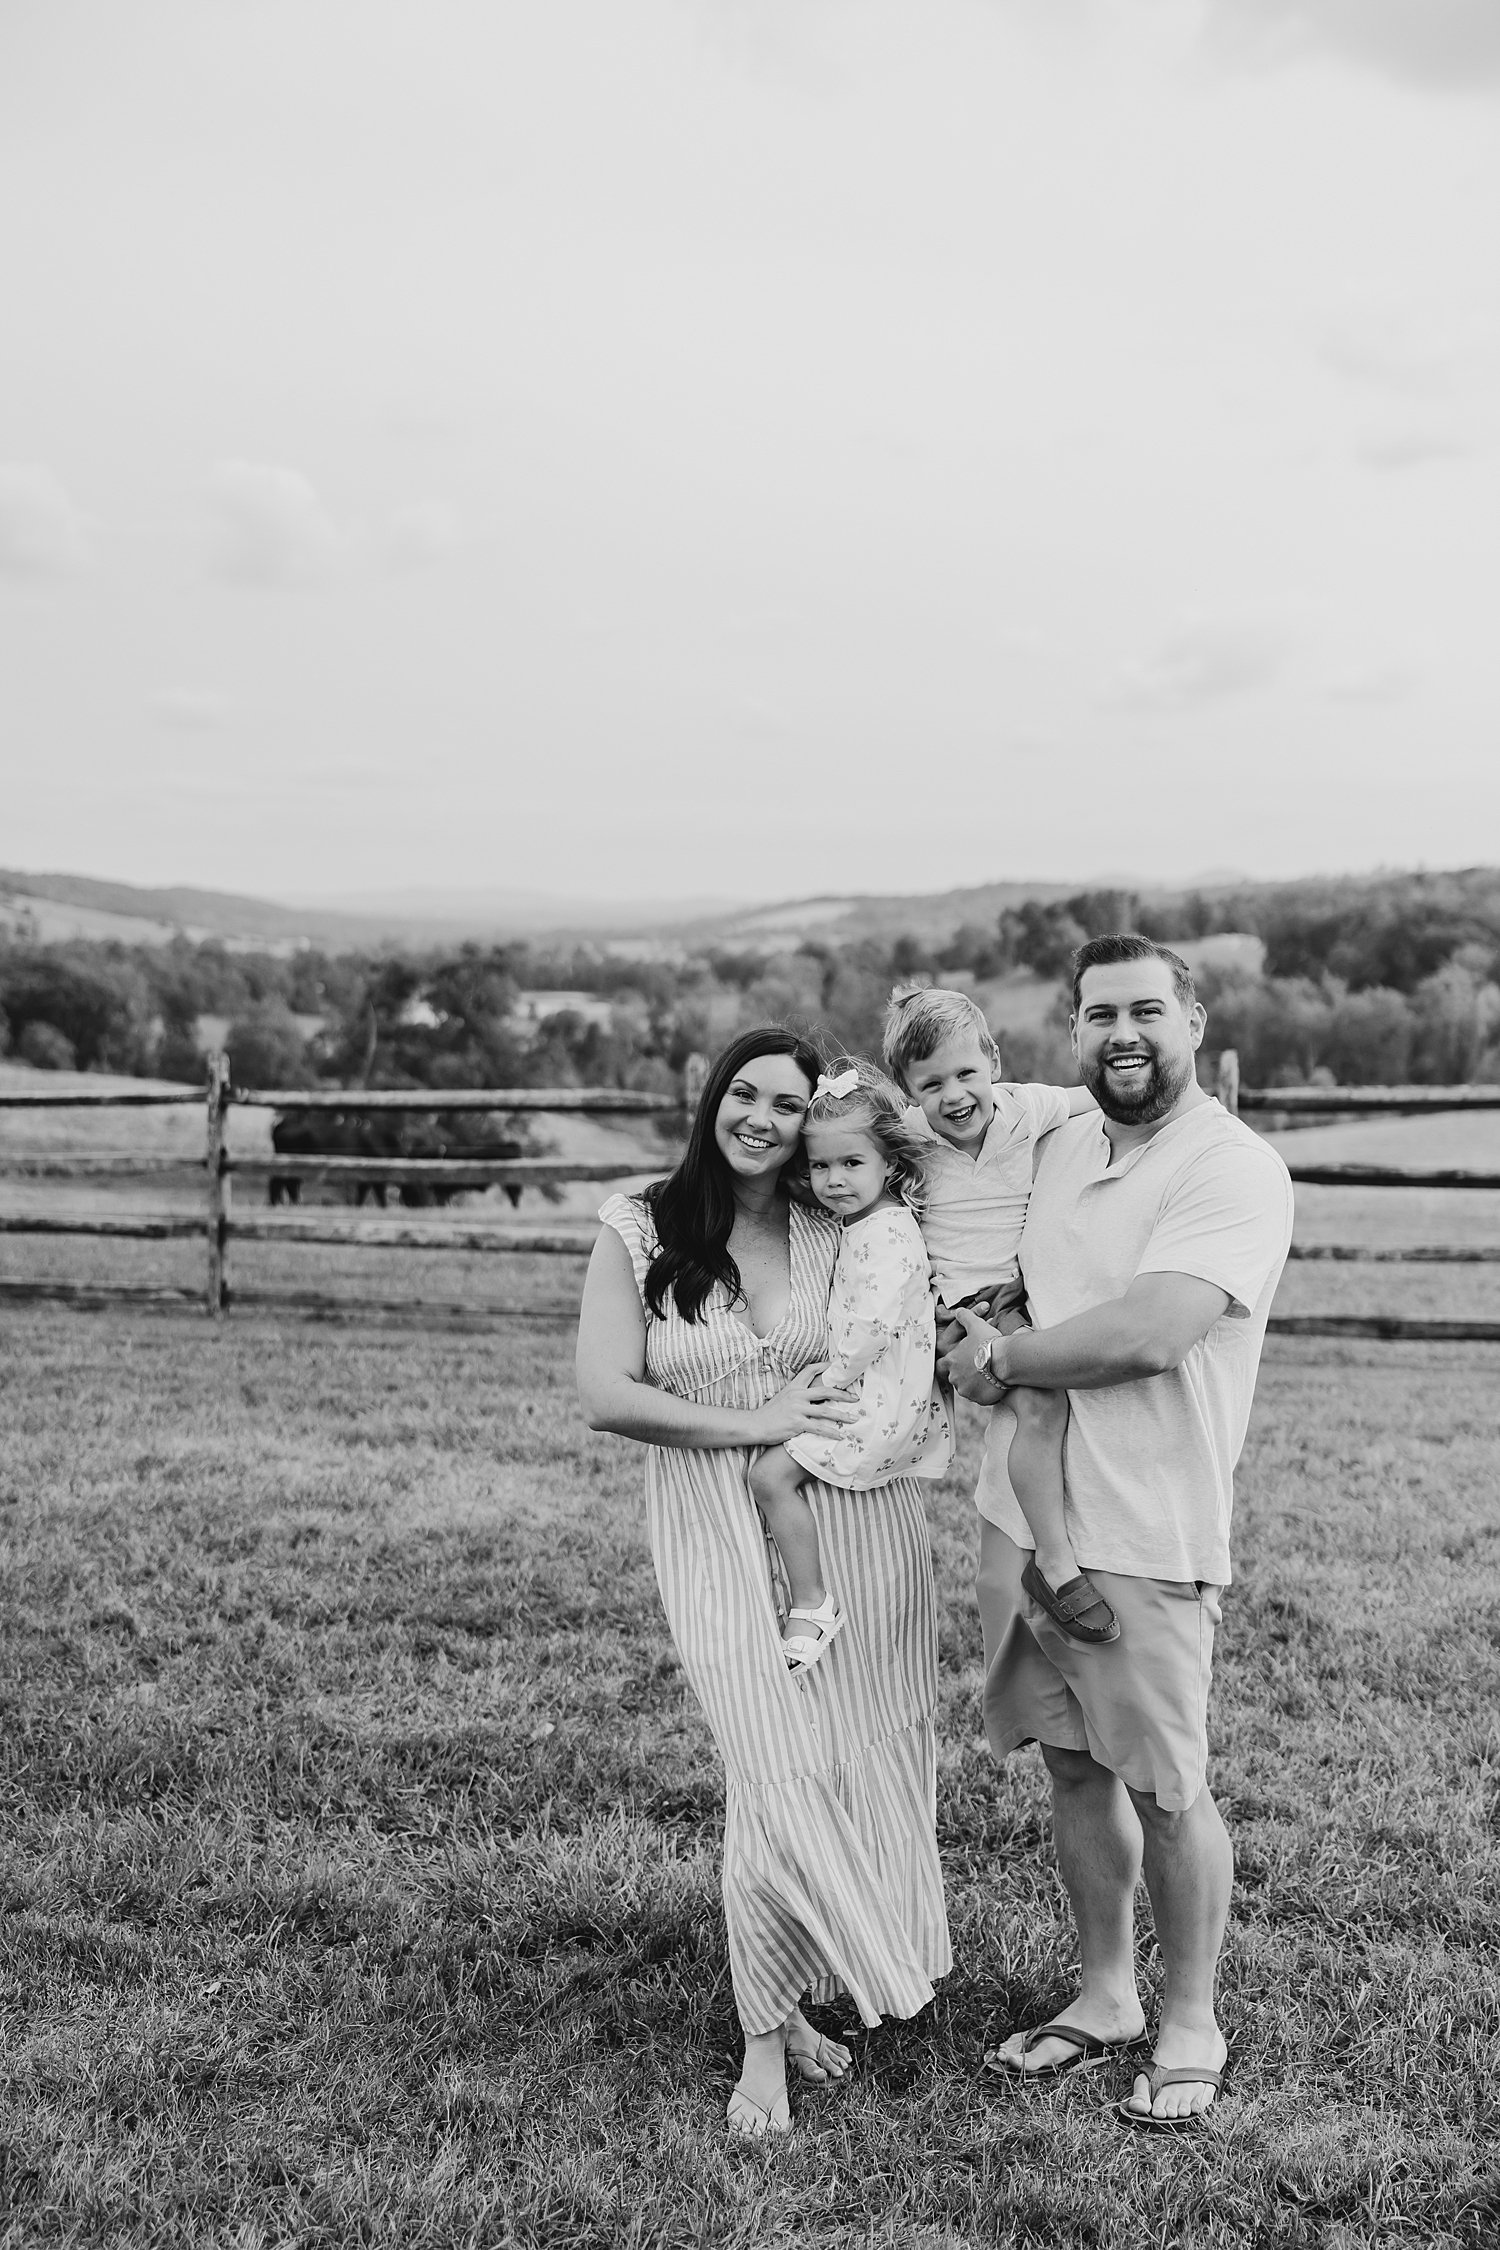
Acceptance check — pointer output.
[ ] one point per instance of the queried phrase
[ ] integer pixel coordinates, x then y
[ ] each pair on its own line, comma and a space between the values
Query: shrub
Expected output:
95, 997
45, 1047
265, 1047
1369, 1038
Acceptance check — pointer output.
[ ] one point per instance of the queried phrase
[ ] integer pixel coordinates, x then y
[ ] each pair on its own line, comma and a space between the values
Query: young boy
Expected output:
940, 1051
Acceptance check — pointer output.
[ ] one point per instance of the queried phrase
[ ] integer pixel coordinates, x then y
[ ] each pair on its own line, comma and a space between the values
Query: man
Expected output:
1155, 1237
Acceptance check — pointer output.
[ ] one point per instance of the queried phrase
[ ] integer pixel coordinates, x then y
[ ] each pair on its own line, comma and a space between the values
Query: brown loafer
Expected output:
1072, 1606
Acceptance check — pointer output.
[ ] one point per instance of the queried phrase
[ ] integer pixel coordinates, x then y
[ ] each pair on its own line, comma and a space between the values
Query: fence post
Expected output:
217, 1222
1229, 1080
694, 1072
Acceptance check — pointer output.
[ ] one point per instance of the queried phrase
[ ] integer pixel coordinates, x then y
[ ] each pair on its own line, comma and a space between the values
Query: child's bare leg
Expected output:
1036, 1475
776, 1481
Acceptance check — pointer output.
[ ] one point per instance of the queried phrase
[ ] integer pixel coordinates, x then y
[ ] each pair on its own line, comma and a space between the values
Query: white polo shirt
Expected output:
1150, 1464
976, 1205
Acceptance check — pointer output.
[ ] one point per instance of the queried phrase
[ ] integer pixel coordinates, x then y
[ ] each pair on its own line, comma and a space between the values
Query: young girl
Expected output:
865, 1165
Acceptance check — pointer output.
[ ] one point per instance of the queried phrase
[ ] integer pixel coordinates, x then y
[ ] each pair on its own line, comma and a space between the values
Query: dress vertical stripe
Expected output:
831, 1875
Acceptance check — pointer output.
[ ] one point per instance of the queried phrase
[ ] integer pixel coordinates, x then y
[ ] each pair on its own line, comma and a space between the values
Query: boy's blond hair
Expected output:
920, 1017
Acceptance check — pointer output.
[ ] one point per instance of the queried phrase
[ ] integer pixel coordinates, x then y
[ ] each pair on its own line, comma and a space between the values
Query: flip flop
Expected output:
1196, 2074
1069, 1605
749, 2120
810, 2063
1091, 2050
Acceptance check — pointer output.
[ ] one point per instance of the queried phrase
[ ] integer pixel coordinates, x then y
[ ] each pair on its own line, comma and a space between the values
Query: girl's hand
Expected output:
801, 1410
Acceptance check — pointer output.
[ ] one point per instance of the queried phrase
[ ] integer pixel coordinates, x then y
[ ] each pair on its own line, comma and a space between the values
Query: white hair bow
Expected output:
845, 1083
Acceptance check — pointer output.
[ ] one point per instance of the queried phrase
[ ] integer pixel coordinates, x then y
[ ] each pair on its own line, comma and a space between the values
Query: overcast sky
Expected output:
666, 447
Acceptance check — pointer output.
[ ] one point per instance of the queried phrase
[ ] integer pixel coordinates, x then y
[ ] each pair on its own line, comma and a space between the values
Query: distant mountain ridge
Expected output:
930, 915
60, 905
102, 908
216, 913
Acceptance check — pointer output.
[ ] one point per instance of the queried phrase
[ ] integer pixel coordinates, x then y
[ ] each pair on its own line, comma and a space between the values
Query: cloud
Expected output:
1386, 353
1451, 46
42, 534
190, 710
1205, 662
1413, 449
421, 534
1375, 683
269, 528
351, 780
760, 721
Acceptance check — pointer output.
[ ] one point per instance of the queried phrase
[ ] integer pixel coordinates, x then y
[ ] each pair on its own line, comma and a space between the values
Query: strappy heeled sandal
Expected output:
801, 1650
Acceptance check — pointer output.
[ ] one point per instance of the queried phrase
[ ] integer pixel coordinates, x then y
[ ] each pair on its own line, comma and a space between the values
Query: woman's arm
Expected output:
616, 1396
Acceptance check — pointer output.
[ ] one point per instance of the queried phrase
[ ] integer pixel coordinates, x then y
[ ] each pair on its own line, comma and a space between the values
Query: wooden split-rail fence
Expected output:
221, 1223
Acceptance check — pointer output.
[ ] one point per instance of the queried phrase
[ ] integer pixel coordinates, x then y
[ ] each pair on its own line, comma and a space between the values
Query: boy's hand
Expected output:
1007, 1298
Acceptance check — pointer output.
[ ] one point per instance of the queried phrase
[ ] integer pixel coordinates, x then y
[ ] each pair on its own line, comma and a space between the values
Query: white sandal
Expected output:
802, 1650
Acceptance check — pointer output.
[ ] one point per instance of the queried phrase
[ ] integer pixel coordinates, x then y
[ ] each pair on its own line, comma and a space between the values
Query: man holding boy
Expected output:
1153, 1243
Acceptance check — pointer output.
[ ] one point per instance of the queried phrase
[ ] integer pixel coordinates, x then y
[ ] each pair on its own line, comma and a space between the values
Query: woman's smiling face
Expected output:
760, 1117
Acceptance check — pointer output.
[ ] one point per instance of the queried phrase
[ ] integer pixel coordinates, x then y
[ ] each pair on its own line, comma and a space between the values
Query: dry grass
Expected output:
360, 1867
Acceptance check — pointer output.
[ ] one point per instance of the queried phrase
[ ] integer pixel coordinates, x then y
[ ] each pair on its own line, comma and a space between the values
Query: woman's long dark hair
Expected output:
693, 1208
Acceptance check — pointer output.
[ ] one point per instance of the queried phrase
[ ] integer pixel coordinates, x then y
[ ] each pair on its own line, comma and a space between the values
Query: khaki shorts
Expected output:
1138, 1705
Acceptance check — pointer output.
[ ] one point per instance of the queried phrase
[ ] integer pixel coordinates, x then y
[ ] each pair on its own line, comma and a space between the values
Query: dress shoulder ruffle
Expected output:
631, 1221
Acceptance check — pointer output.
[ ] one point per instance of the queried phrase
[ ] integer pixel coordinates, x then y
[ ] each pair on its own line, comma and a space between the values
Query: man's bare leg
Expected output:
1098, 1839
1189, 1865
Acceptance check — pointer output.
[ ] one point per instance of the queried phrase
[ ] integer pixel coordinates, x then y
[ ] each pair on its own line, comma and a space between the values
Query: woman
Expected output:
702, 1334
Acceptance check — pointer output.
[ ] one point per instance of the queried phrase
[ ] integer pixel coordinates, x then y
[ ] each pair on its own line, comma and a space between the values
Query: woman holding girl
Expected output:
703, 1331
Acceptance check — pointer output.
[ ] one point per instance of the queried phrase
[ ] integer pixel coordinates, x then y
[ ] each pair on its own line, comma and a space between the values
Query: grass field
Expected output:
360, 1848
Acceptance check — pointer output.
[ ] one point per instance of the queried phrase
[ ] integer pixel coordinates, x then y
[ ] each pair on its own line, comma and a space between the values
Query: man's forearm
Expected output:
1110, 1343
1151, 1328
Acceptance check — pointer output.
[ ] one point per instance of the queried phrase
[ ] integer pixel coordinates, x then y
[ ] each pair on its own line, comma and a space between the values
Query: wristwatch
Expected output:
982, 1357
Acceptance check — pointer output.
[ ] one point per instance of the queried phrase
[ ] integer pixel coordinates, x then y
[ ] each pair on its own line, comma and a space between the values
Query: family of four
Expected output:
782, 1322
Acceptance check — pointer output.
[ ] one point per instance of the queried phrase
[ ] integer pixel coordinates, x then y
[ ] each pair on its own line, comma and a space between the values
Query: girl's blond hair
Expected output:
873, 1105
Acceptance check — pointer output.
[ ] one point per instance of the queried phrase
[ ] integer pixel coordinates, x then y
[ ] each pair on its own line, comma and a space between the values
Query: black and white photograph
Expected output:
749, 1124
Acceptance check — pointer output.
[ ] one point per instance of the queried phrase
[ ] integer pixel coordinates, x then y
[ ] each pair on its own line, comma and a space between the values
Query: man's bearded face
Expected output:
1134, 1040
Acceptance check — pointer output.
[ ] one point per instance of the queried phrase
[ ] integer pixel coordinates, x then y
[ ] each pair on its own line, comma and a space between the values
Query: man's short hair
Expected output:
920, 1017
1124, 945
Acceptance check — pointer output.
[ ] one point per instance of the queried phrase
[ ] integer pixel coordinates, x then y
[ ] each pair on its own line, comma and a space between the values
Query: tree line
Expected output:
1385, 980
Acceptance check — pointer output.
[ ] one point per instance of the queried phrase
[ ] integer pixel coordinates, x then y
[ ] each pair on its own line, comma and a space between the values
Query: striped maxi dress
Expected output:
831, 1874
